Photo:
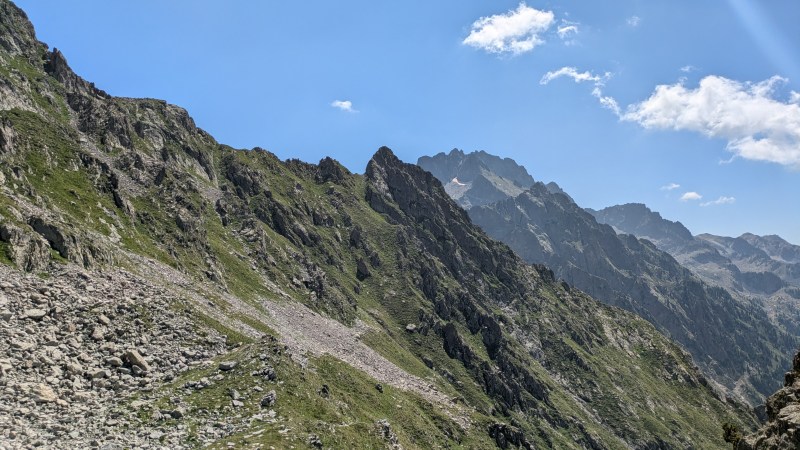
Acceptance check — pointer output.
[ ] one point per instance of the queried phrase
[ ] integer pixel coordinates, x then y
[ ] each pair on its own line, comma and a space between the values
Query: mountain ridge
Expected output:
544, 226
741, 265
207, 296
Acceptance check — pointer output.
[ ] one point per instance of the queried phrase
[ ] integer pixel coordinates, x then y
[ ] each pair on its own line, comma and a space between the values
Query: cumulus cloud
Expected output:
794, 97
720, 201
344, 105
755, 124
634, 21
670, 187
517, 31
691, 195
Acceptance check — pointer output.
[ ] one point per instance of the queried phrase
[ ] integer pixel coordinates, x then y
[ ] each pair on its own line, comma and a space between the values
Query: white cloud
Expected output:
794, 97
690, 196
517, 31
688, 68
567, 29
580, 77
606, 101
573, 73
754, 123
634, 21
344, 105
720, 201
670, 187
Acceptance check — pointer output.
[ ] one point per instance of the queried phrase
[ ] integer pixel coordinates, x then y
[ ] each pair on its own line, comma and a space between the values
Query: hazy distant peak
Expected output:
639, 220
775, 246
477, 178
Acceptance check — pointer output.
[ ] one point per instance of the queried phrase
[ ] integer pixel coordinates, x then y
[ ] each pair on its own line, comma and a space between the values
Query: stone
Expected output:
74, 368
43, 393
100, 373
21, 345
98, 334
135, 359
269, 399
411, 328
5, 366
35, 313
314, 441
226, 366
114, 361
267, 372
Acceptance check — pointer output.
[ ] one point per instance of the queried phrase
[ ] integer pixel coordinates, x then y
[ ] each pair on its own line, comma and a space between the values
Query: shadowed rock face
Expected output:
159, 250
725, 335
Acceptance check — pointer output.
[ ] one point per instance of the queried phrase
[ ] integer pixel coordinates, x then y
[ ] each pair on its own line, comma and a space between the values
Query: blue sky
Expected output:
425, 77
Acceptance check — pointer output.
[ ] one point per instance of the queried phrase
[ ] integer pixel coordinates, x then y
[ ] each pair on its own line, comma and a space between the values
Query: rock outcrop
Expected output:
782, 429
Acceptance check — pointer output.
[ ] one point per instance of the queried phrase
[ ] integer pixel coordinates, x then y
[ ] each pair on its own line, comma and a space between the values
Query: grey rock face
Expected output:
27, 249
782, 429
477, 178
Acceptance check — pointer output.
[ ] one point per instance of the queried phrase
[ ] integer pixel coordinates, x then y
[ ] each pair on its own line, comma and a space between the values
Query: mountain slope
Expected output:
748, 254
749, 267
162, 289
731, 340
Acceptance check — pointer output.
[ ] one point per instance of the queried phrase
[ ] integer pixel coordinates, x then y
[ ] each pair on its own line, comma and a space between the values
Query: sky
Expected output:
692, 108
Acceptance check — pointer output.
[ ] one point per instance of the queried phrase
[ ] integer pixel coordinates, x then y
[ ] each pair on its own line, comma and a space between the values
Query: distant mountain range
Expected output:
763, 268
731, 337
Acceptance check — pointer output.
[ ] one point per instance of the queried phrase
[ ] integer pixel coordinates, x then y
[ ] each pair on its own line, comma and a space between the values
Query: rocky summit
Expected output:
159, 289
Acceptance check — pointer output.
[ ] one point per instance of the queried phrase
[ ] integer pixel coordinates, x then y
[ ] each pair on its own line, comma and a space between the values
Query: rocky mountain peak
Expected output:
417, 192
17, 36
477, 178
775, 246
641, 221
